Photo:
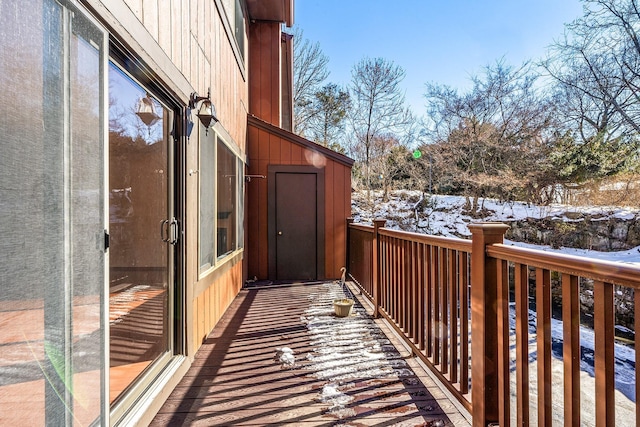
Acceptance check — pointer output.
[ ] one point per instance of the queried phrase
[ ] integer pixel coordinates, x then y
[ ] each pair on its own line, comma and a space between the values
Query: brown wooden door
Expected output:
296, 226
296, 222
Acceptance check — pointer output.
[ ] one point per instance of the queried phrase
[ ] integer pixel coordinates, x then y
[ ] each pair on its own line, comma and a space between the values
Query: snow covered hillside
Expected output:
445, 216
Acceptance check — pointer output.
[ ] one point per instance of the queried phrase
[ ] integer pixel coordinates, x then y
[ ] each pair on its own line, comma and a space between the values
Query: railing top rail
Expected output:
443, 242
607, 271
362, 227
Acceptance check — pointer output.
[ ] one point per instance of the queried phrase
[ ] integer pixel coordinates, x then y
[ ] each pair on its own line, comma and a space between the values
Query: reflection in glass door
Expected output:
142, 232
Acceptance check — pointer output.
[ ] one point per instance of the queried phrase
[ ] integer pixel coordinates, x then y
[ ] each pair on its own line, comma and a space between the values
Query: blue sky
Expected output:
441, 41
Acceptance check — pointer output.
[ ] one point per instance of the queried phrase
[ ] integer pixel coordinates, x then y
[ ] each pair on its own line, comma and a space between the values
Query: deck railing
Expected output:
454, 300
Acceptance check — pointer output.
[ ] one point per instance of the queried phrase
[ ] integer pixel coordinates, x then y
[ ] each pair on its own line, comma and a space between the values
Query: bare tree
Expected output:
494, 140
597, 67
309, 72
386, 162
378, 106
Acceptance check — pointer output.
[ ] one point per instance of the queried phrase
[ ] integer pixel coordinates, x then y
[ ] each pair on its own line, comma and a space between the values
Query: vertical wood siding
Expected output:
199, 46
268, 148
264, 78
210, 305
192, 34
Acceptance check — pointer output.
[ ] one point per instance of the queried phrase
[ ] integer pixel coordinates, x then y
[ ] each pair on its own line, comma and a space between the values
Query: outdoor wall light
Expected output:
206, 112
147, 111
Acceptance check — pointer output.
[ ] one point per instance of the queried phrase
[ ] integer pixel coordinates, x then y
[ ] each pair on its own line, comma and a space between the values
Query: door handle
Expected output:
169, 231
279, 233
173, 231
164, 234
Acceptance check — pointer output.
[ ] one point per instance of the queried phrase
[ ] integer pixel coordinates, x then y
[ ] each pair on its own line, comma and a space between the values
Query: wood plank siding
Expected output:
189, 46
270, 145
264, 76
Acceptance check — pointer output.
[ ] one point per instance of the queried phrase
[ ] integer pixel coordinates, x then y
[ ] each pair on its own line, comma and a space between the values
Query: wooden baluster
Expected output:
453, 316
436, 305
543, 309
396, 279
522, 343
429, 297
376, 267
571, 349
404, 285
464, 322
504, 395
444, 318
413, 265
603, 325
421, 286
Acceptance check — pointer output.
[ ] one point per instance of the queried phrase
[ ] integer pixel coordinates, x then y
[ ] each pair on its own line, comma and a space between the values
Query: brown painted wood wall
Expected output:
190, 46
210, 305
264, 75
269, 145
194, 36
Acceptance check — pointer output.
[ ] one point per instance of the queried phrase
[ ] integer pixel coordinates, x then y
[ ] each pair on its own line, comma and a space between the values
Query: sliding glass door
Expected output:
87, 222
52, 215
143, 234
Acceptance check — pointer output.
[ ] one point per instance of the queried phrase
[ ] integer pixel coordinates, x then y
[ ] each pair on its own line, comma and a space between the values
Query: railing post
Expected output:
375, 265
484, 324
348, 251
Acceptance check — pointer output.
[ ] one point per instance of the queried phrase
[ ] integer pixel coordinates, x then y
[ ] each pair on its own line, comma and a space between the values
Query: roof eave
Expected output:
271, 10
297, 139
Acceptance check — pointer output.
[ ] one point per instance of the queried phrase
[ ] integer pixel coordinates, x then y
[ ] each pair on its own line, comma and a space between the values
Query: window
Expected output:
240, 203
207, 194
227, 201
239, 27
235, 16
221, 200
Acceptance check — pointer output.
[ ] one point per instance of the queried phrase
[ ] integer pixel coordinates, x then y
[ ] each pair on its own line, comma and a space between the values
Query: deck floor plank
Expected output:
237, 379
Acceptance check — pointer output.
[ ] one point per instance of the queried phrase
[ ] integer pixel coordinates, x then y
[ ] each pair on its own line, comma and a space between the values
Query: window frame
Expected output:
216, 136
231, 20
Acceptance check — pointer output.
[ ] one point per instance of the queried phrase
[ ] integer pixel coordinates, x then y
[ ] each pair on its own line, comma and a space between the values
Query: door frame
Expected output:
140, 393
272, 171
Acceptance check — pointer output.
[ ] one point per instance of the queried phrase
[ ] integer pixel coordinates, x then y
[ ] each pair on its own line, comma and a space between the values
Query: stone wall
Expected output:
578, 230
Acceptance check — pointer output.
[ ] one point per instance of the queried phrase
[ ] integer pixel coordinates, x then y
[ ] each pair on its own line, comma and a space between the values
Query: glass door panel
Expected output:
86, 219
141, 231
52, 215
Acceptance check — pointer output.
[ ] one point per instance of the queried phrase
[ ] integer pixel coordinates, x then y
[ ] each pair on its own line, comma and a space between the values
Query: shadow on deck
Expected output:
347, 371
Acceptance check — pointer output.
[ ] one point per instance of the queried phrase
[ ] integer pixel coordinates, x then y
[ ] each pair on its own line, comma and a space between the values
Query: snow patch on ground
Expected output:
285, 357
337, 400
346, 349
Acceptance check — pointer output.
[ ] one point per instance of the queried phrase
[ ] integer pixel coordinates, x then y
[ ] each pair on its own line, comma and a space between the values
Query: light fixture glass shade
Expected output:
146, 111
207, 113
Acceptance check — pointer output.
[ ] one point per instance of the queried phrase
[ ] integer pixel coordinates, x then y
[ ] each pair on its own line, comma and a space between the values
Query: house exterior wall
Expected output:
271, 110
190, 47
269, 145
173, 48
264, 77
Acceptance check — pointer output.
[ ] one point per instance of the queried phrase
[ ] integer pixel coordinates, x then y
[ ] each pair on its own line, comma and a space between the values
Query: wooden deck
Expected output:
347, 371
